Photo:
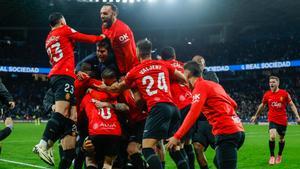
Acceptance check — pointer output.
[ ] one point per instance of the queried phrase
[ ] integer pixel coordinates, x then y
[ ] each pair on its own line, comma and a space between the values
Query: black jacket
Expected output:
5, 96
212, 76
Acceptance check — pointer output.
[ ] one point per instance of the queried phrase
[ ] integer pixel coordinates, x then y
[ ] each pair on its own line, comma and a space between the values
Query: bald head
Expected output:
200, 60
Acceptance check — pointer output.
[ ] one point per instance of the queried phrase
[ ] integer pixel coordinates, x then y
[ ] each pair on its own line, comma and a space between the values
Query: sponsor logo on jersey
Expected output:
124, 38
276, 104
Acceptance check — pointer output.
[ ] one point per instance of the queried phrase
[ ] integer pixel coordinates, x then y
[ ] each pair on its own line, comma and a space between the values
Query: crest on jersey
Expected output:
196, 98
281, 98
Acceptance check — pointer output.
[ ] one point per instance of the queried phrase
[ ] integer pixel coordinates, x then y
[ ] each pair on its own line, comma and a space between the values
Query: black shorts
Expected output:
281, 129
203, 134
226, 149
135, 131
106, 145
183, 113
162, 122
63, 88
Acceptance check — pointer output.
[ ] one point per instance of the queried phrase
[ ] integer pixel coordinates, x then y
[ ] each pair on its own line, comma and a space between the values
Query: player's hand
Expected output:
101, 87
253, 119
103, 36
11, 104
172, 143
8, 122
81, 75
298, 120
88, 146
100, 104
53, 107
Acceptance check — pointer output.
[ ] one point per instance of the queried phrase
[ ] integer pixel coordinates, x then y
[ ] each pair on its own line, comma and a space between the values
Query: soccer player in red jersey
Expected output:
277, 101
219, 108
152, 78
182, 98
120, 36
103, 127
60, 46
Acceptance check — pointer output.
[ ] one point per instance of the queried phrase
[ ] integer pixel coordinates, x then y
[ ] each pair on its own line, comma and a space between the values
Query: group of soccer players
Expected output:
121, 105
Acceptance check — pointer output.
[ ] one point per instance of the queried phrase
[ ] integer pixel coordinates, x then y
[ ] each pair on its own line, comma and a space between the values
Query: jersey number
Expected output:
58, 52
161, 83
105, 115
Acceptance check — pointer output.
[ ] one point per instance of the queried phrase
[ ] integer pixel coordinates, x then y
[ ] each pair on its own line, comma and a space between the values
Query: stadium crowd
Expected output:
29, 96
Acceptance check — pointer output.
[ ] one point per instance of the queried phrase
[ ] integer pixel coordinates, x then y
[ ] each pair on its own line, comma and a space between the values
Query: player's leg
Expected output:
187, 149
226, 150
200, 155
108, 162
201, 142
272, 137
281, 132
135, 159
91, 163
178, 154
155, 129
68, 142
161, 152
63, 88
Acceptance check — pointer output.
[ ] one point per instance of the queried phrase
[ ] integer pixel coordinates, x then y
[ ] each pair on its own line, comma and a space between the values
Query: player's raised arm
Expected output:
81, 37
294, 109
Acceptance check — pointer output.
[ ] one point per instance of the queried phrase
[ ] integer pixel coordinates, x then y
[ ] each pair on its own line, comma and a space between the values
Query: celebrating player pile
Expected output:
128, 103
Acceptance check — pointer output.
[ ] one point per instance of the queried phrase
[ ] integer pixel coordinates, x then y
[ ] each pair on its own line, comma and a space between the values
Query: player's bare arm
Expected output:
260, 108
180, 77
294, 109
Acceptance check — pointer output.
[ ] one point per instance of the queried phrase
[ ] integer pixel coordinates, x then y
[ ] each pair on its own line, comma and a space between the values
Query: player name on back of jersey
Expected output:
148, 68
51, 39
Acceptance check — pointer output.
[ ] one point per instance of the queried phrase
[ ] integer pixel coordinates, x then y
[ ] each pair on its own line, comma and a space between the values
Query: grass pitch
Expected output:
253, 155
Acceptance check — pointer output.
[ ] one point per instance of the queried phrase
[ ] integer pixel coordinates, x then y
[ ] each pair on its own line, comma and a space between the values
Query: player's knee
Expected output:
199, 147
281, 139
272, 137
68, 142
132, 148
272, 134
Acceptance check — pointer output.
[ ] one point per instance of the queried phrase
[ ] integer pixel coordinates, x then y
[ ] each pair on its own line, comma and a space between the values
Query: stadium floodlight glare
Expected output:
124, 1
118, 0
111, 0
152, 1
131, 1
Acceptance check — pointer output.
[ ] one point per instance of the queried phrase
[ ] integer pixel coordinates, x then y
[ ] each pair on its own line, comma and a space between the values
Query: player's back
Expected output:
219, 108
152, 78
181, 93
102, 121
60, 51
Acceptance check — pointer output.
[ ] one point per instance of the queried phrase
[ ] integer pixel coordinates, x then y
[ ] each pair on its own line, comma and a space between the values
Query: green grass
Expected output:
253, 155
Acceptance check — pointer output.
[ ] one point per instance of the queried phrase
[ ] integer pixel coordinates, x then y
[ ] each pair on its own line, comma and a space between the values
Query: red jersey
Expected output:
123, 44
102, 121
135, 113
80, 90
60, 48
218, 107
181, 94
152, 78
277, 102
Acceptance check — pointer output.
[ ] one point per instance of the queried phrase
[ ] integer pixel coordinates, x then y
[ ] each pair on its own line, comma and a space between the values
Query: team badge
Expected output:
281, 98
